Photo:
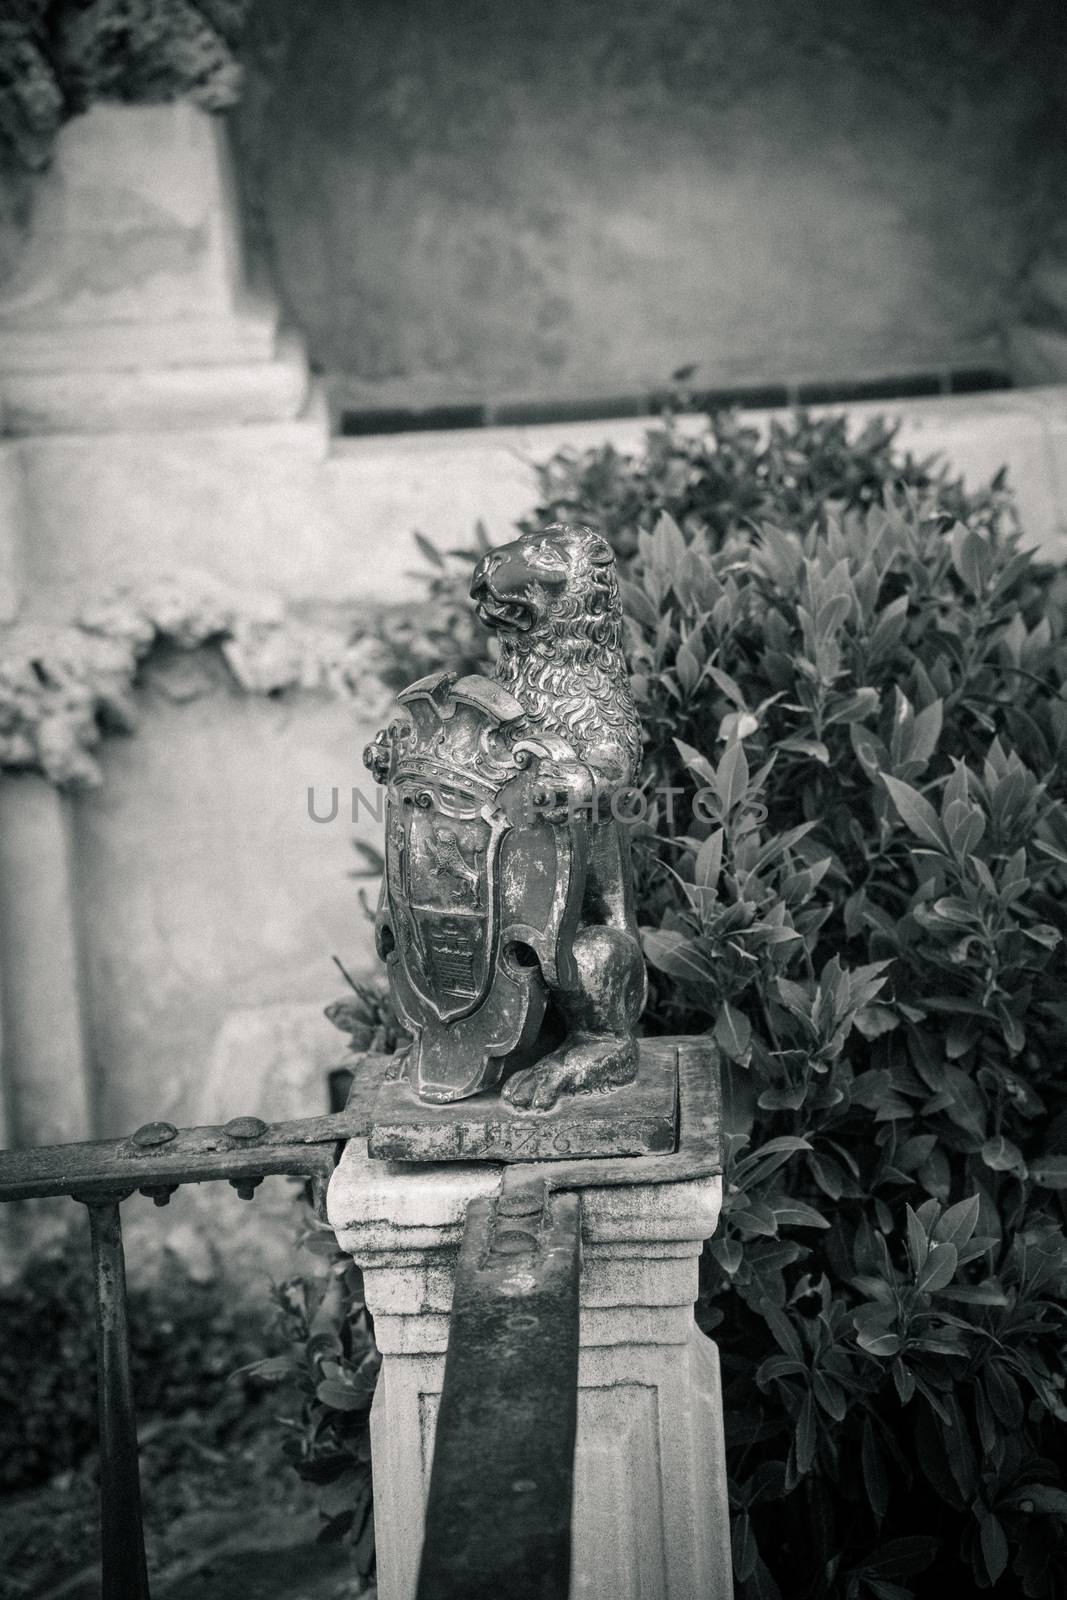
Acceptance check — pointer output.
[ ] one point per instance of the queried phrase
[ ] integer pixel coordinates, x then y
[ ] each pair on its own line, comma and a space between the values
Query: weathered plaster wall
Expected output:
512, 200
209, 906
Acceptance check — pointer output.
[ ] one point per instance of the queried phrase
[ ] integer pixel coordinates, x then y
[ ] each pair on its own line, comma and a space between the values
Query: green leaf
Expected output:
783, 1097
341, 1396
430, 551
977, 1294
939, 1268
271, 1368
875, 1332
674, 954
958, 1222
687, 668
994, 1545
785, 1334
925, 732
879, 1344
806, 1435
637, 604
1004, 1395
797, 1214
708, 863
1001, 1155
915, 812
853, 707
343, 1494
768, 1158
918, 1242
728, 1253
729, 688
697, 764
875, 1479
744, 1548
668, 543
731, 776
807, 747
733, 1032
971, 557
873, 1021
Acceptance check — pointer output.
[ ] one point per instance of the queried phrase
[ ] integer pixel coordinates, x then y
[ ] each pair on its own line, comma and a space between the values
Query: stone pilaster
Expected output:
47, 1093
130, 307
650, 1509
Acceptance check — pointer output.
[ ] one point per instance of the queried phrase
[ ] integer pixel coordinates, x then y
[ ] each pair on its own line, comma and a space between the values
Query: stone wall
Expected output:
509, 201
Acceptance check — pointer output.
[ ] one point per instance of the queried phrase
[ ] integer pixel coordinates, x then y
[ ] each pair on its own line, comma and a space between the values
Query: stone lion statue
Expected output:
552, 600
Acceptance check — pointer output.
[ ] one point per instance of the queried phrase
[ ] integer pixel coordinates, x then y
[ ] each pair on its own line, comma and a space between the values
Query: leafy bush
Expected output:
327, 1375
848, 658
726, 476
186, 1336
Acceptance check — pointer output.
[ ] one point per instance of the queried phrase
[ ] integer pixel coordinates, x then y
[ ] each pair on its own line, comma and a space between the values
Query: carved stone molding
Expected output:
64, 685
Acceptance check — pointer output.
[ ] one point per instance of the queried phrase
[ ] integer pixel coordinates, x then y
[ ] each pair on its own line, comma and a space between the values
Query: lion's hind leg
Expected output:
600, 1051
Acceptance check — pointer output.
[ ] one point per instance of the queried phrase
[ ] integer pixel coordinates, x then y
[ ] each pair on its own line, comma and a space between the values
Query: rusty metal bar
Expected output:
498, 1516
124, 1575
160, 1154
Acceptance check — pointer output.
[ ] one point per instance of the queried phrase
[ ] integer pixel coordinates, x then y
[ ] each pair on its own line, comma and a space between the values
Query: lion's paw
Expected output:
579, 1068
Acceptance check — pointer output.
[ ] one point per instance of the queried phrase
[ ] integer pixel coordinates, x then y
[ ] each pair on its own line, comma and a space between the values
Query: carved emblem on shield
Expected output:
481, 893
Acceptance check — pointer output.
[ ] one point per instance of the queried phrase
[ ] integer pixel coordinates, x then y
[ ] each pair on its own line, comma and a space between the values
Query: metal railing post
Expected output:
124, 1574
498, 1515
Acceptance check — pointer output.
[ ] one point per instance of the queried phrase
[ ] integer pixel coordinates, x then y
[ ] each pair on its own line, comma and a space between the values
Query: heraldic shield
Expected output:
482, 890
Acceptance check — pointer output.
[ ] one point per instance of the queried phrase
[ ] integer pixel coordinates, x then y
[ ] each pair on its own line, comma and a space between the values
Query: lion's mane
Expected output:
568, 671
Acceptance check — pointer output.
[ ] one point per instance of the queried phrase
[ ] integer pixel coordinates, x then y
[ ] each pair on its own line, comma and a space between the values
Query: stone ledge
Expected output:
379, 1206
249, 333
420, 1285
157, 398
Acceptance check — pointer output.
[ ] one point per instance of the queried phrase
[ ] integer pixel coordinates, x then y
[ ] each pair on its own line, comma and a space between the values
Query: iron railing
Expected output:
508, 1408
156, 1160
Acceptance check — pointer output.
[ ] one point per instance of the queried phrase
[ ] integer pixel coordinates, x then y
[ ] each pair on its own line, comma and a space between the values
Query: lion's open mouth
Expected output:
501, 611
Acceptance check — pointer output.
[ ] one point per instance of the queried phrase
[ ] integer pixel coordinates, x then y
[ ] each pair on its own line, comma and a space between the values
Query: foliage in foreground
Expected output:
851, 659
186, 1336
326, 1375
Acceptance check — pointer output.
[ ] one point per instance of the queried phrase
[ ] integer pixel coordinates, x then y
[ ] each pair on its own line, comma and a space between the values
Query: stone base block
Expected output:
650, 1509
639, 1118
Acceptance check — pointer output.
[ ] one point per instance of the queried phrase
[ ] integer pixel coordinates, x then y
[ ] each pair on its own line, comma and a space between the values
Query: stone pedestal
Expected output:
129, 307
650, 1508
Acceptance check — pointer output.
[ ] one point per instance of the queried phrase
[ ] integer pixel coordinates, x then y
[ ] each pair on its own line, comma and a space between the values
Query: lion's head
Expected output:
552, 597
546, 580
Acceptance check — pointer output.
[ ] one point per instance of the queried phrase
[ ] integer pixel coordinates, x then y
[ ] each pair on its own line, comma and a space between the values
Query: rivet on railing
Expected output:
154, 1133
158, 1193
245, 1128
246, 1187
